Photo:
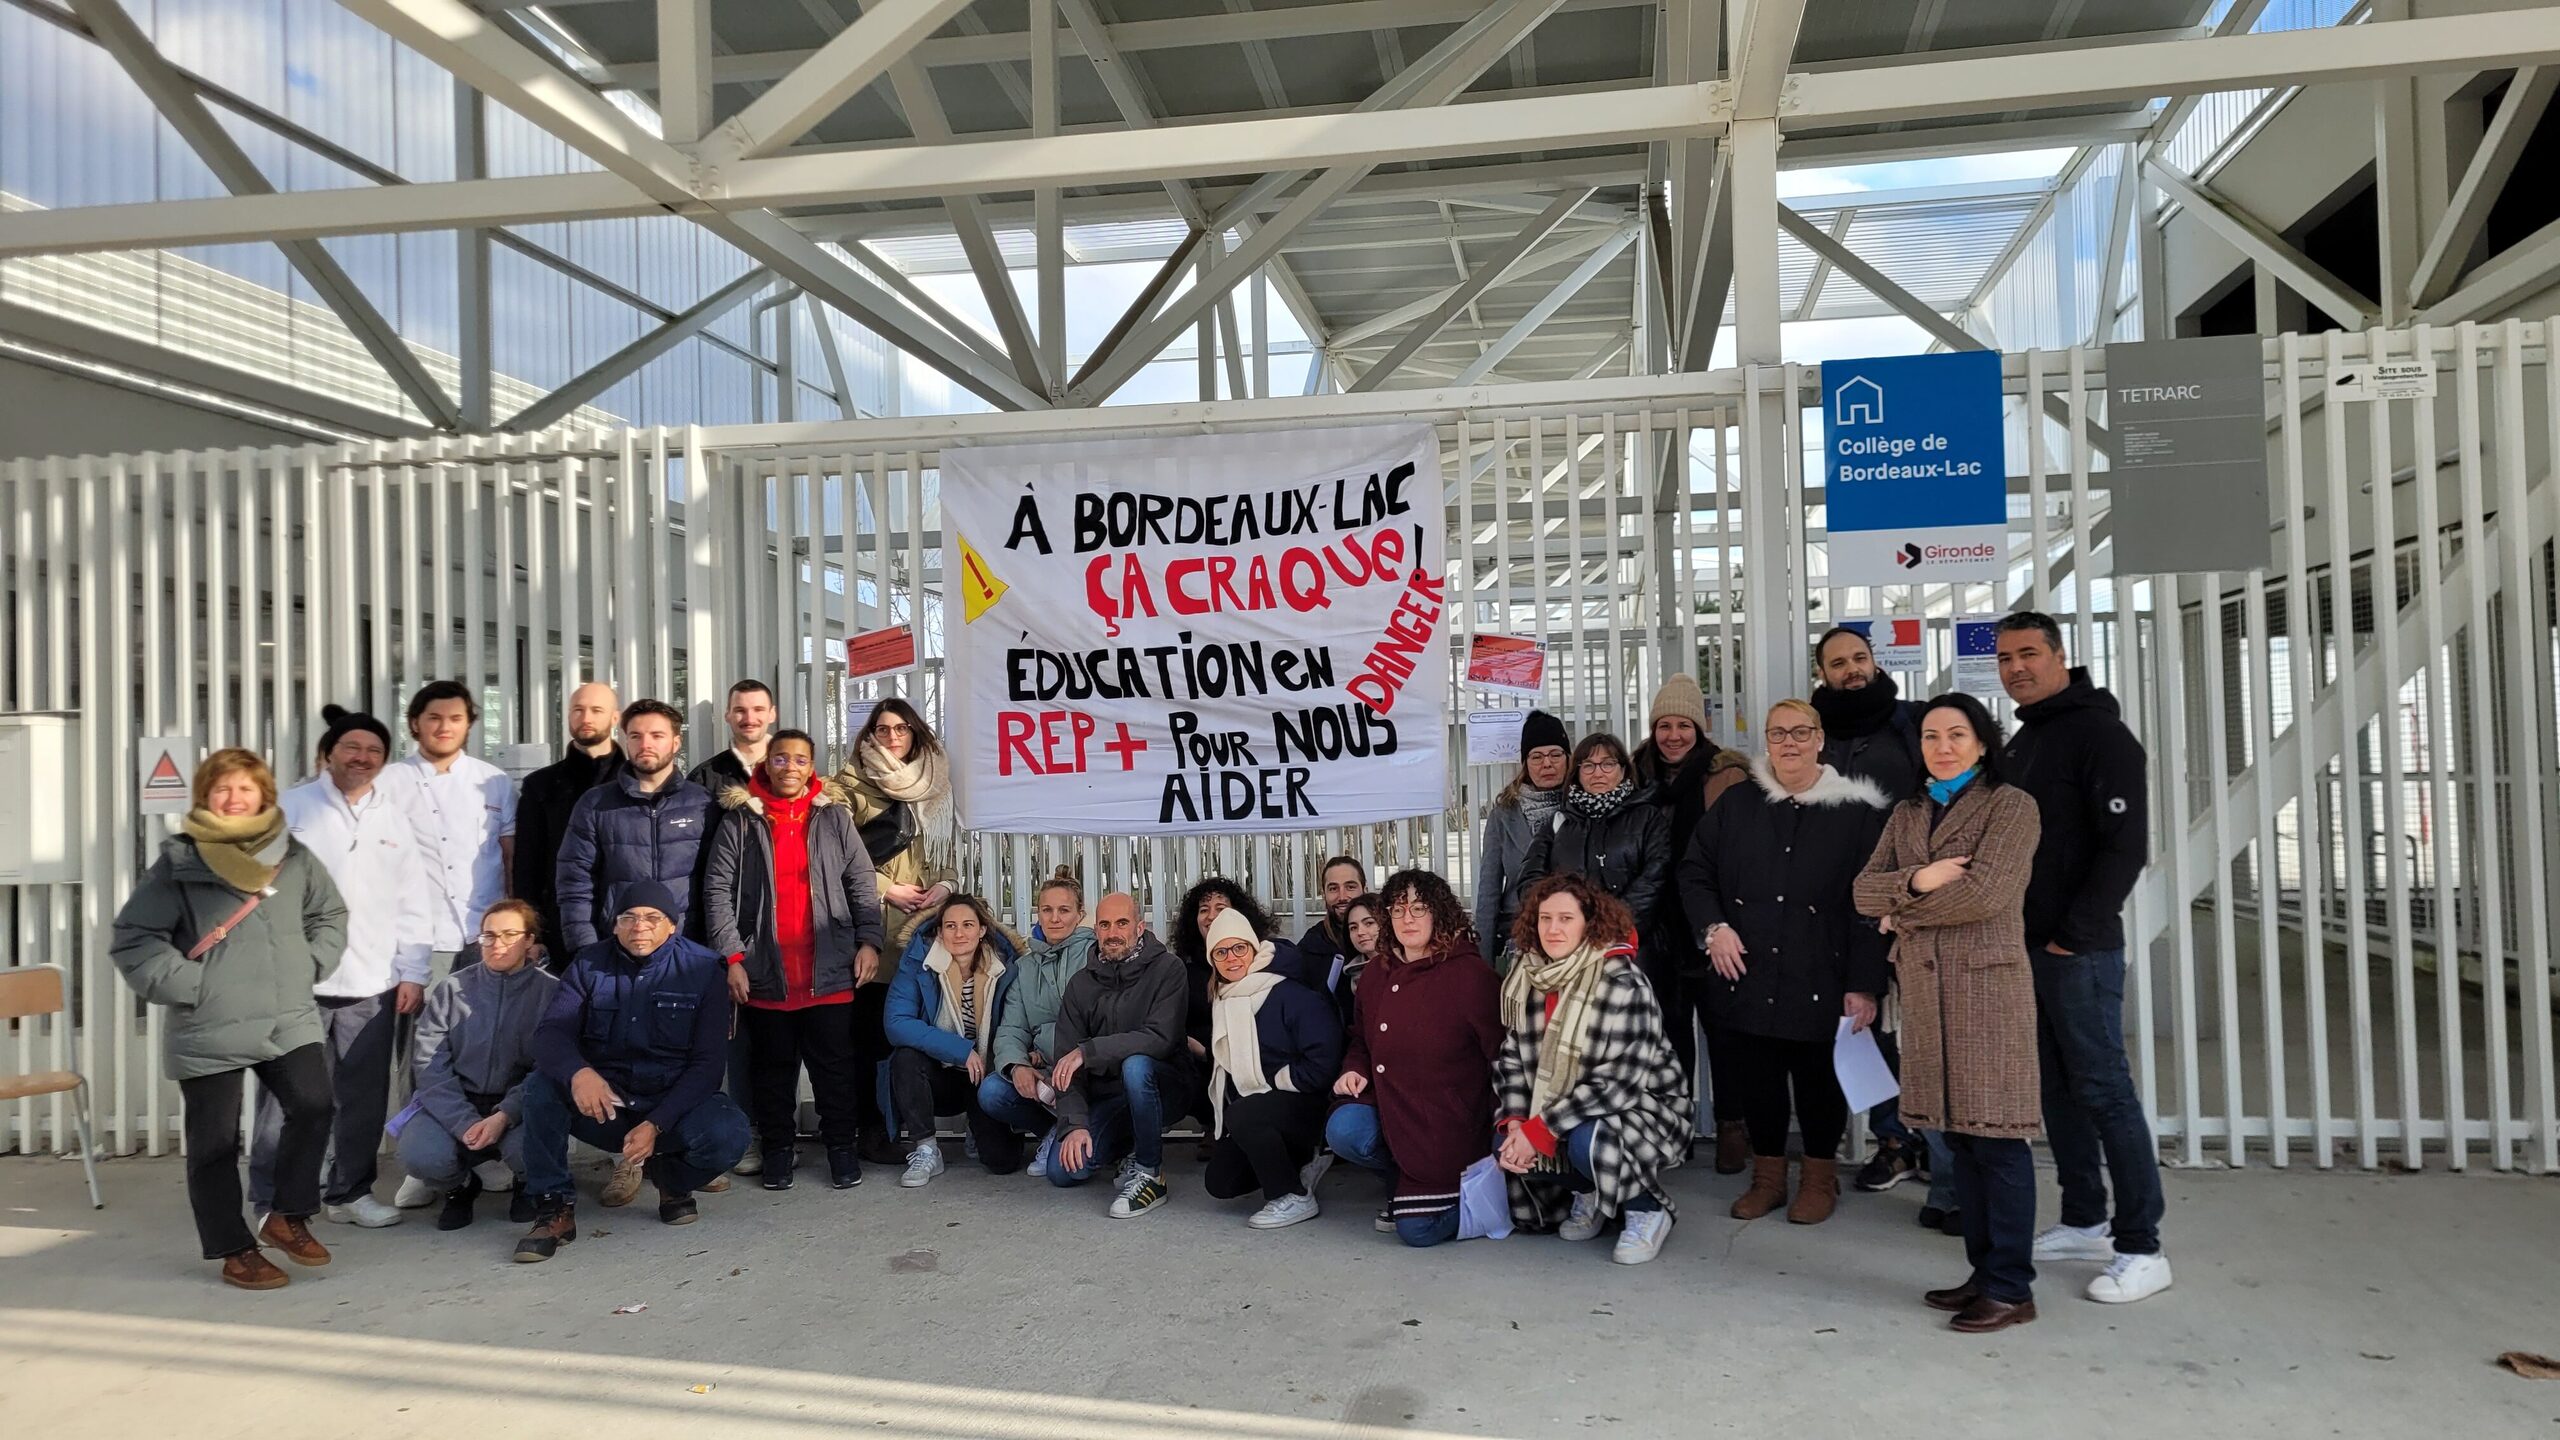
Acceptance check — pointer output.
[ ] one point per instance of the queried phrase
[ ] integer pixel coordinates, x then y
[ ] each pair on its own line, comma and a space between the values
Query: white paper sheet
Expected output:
1864, 1077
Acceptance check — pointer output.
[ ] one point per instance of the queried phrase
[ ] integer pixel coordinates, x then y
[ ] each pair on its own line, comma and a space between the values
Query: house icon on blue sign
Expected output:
1858, 401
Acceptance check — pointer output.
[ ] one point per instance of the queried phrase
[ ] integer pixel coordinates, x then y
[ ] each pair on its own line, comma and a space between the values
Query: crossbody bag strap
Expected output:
222, 932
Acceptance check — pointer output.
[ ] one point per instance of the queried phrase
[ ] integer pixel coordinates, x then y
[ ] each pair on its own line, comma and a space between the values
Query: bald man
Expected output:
1120, 1023
543, 805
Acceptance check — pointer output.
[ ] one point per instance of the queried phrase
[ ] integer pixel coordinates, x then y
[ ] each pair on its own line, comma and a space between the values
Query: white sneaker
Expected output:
1284, 1212
752, 1162
1141, 1190
1385, 1224
364, 1210
495, 1177
416, 1194
1314, 1170
2076, 1242
1038, 1169
1642, 1238
1585, 1222
923, 1163
2129, 1278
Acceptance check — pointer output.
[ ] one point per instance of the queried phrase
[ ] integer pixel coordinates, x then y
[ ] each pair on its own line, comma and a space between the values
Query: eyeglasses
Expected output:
1598, 763
640, 920
502, 937
1794, 734
1408, 909
790, 760
894, 727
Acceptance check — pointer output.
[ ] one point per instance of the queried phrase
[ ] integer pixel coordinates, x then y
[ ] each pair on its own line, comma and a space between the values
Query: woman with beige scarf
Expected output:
1275, 1046
230, 929
1593, 1099
900, 784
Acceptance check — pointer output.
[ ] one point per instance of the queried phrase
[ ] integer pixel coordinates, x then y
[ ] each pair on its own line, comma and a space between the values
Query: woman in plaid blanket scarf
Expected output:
1593, 1098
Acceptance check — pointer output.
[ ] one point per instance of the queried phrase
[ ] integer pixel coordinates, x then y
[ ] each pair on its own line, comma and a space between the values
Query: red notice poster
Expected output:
1507, 665
874, 653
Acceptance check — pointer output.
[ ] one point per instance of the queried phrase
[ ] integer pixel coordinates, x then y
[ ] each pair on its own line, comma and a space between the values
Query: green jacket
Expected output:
1039, 974
249, 998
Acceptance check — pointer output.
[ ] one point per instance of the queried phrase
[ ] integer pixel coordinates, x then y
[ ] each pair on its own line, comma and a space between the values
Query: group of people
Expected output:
649, 960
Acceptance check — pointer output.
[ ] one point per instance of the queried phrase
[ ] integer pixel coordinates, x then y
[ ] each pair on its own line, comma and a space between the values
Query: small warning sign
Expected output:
979, 587
168, 766
875, 653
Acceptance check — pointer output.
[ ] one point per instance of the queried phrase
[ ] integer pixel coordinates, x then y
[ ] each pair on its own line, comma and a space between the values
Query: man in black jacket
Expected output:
751, 720
547, 797
2086, 771
1119, 1027
647, 823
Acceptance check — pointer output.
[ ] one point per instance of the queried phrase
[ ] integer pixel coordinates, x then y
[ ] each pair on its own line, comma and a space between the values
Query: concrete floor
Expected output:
2306, 1304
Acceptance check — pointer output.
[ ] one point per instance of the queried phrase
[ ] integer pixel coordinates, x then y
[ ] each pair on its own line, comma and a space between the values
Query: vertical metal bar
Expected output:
111, 706
2031, 412
1541, 625
596, 552
2484, 746
2385, 582
2529, 696
2445, 927
152, 651
2168, 619
95, 665
573, 575
1571, 533
2261, 653
1728, 670
661, 679
435, 546
1501, 472
511, 680
701, 625
2083, 569
475, 594
537, 589
634, 620
1615, 583
2342, 605
377, 534
2226, 942
813, 531
2302, 638
253, 712
217, 602
345, 487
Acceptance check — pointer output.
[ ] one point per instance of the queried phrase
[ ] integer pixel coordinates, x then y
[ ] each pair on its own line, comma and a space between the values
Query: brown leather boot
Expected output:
1733, 1147
250, 1270
1819, 1193
1768, 1188
293, 1237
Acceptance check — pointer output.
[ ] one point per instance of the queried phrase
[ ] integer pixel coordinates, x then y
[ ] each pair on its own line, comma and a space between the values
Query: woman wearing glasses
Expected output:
1417, 1065
900, 784
1610, 830
474, 1049
1786, 955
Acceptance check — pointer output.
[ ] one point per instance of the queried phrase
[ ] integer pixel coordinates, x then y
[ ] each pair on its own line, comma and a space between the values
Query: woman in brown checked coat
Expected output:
1949, 881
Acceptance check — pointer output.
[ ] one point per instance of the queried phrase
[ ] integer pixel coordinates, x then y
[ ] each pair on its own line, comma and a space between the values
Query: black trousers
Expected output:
871, 1056
1269, 1138
1724, 1073
299, 1081
925, 1088
779, 1042
1766, 1070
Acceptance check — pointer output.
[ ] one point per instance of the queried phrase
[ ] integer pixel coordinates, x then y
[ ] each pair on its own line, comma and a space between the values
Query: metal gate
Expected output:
228, 594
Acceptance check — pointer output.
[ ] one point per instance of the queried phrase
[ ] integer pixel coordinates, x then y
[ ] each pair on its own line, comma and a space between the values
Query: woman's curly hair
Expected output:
1450, 922
1606, 919
1189, 940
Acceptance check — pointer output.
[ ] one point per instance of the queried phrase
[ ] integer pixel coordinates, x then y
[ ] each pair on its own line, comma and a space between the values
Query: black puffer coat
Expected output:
1780, 869
1627, 853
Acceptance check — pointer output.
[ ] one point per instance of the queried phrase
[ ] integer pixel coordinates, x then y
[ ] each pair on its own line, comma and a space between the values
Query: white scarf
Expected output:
1235, 1041
990, 969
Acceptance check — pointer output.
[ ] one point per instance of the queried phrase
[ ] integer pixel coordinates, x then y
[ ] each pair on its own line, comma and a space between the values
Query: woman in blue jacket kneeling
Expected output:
1275, 1046
943, 1009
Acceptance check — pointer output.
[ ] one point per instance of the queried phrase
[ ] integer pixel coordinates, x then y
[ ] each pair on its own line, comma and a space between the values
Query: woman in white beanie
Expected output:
1275, 1047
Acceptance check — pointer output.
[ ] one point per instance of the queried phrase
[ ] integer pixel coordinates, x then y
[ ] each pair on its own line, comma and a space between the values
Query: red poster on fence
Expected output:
874, 653
1507, 665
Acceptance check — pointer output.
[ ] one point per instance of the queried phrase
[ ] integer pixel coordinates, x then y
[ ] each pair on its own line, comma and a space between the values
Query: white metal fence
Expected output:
227, 595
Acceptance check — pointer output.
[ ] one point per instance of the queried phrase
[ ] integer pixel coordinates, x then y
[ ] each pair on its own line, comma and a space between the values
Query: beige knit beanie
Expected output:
1679, 696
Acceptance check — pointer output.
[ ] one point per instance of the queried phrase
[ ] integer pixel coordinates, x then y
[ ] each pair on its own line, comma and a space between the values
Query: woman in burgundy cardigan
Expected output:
1417, 1068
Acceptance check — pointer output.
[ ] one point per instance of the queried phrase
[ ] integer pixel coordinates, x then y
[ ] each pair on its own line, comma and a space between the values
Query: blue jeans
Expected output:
1127, 1121
708, 1140
1942, 1170
1996, 1189
1352, 1133
1577, 1152
999, 1099
2092, 1117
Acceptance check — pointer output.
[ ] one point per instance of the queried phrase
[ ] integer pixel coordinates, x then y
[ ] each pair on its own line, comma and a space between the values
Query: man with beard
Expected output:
546, 798
1326, 945
1120, 1021
750, 716
1871, 733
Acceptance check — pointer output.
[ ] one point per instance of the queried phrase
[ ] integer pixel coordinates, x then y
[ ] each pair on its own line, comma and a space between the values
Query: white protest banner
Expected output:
1199, 634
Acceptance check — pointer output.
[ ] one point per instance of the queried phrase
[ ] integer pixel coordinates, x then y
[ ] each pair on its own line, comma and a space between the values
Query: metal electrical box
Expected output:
40, 815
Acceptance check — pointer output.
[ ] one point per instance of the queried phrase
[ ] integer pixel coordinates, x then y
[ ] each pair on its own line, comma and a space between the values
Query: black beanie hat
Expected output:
1542, 729
343, 722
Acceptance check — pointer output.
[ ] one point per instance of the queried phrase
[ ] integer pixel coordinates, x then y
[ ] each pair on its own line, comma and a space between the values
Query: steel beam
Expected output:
475, 328
859, 54
1846, 216
1549, 303
116, 31
610, 371
1761, 42
2252, 237
1467, 290
1569, 248
2483, 180
684, 55
2530, 265
832, 351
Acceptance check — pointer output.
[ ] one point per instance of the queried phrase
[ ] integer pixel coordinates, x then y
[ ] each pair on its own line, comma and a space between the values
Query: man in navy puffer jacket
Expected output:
647, 823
